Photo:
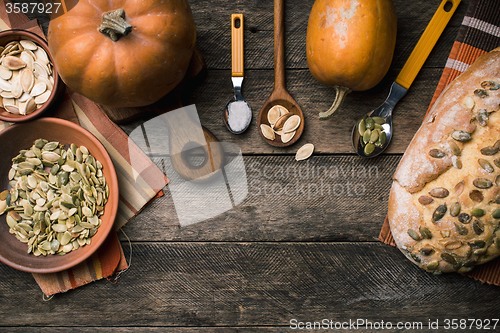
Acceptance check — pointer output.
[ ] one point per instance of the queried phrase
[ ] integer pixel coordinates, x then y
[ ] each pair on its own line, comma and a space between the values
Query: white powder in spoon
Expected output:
239, 115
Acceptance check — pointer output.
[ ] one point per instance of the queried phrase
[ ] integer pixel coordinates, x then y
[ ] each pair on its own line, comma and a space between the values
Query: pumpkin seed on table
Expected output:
59, 211
26, 77
304, 152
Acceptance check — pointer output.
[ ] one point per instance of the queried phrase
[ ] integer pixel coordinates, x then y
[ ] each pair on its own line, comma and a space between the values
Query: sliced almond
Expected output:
40, 69
29, 106
22, 108
275, 113
5, 85
49, 83
291, 124
26, 57
24, 97
7, 101
27, 80
5, 73
38, 89
41, 55
7, 49
42, 98
267, 131
13, 63
28, 45
281, 121
11, 108
31, 54
6, 94
286, 137
304, 152
17, 88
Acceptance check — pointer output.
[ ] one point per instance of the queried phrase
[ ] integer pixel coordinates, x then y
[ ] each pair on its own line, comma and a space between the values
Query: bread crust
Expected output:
436, 167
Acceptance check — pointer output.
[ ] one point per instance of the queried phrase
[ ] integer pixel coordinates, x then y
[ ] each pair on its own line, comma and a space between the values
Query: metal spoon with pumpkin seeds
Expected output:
366, 147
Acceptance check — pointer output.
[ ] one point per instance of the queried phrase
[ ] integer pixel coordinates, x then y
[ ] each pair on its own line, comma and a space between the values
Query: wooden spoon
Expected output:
280, 96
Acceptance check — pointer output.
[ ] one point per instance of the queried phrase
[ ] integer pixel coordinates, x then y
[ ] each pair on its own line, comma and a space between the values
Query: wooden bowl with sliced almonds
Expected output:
29, 83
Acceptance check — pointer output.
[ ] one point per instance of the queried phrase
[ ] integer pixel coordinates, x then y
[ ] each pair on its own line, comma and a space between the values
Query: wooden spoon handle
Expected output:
279, 44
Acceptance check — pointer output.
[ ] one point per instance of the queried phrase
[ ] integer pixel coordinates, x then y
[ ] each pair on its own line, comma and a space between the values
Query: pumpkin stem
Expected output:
340, 94
114, 25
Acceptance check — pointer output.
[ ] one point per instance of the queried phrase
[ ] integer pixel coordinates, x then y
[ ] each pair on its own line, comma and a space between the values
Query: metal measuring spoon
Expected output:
237, 113
404, 80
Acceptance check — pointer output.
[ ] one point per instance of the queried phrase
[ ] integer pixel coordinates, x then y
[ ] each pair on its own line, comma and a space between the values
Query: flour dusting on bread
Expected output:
444, 206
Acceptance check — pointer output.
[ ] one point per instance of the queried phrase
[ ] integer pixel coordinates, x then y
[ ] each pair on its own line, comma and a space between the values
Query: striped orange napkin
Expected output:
137, 185
479, 34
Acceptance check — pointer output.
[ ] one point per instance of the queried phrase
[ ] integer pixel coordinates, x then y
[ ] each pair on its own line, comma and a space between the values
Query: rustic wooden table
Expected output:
279, 258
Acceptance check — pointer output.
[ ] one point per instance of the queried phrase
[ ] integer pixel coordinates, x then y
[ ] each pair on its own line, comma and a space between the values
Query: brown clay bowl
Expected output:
21, 136
7, 36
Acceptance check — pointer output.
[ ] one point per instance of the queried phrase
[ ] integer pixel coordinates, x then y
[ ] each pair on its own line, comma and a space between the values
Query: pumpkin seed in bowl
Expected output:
57, 196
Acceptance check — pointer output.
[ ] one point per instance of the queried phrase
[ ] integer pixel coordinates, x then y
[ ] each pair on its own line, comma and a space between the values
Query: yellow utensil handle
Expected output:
237, 44
426, 42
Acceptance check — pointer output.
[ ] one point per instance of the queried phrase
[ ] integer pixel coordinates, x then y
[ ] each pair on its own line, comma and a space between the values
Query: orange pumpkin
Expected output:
123, 53
350, 44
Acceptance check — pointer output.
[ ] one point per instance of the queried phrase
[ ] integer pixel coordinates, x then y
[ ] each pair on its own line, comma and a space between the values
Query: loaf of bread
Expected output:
444, 205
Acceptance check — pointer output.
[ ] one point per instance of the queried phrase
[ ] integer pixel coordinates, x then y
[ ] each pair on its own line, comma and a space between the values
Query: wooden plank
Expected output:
235, 329
332, 136
246, 284
214, 32
327, 198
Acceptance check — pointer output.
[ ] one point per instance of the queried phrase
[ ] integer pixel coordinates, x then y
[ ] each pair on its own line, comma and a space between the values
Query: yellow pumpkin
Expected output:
123, 53
350, 44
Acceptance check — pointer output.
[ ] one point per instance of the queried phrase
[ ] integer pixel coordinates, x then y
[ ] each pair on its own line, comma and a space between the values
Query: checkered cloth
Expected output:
479, 34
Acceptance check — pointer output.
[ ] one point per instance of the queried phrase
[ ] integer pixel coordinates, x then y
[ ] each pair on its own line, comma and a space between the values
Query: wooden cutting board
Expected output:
195, 74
